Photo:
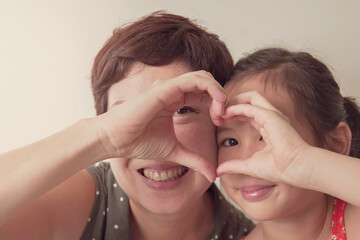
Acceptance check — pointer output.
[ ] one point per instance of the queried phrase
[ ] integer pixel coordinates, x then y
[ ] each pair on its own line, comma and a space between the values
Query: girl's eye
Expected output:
229, 142
185, 110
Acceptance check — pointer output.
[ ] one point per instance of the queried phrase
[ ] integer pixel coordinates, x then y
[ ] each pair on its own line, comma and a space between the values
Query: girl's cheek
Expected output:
221, 156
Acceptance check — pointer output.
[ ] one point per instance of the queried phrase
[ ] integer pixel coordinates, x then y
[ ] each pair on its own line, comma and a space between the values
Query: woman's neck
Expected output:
196, 221
312, 223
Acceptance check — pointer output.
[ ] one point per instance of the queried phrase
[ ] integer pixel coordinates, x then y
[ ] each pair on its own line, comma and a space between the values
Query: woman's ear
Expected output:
340, 139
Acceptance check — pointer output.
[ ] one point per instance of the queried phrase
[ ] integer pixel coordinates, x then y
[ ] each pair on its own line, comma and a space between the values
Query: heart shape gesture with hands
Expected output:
142, 127
277, 161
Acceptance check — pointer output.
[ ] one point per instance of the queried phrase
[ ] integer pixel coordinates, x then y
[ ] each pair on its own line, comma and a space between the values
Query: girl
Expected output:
285, 160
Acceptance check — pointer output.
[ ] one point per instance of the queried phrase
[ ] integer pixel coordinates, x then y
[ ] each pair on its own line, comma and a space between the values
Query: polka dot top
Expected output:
109, 218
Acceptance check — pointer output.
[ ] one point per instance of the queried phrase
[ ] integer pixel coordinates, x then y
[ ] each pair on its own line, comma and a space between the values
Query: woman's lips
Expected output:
158, 181
163, 175
256, 192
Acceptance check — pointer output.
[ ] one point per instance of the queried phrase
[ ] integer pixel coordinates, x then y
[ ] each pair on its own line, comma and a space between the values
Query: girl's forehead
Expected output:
273, 91
238, 85
258, 82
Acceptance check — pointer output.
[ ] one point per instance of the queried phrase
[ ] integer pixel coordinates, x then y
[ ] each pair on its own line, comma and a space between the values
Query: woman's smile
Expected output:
162, 177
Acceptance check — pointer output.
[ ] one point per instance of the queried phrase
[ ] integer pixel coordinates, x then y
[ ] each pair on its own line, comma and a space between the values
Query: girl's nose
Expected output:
249, 147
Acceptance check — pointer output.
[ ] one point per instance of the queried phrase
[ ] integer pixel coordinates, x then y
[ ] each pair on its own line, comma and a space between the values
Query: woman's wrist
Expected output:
94, 144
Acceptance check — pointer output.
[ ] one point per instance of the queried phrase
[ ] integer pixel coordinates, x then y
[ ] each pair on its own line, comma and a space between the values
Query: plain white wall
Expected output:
47, 48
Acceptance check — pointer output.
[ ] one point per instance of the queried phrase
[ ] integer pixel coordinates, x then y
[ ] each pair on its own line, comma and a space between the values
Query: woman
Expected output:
140, 78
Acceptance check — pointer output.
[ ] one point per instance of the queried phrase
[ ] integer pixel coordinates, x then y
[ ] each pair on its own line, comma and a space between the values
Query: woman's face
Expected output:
259, 198
158, 186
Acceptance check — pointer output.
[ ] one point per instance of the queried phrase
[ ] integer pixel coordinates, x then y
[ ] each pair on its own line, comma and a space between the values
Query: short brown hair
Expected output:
311, 86
157, 39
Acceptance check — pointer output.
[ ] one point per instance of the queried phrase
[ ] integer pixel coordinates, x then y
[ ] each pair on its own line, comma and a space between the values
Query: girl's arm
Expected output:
332, 173
287, 158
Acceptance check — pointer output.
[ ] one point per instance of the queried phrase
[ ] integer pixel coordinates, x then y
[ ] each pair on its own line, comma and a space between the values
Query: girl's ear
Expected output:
340, 139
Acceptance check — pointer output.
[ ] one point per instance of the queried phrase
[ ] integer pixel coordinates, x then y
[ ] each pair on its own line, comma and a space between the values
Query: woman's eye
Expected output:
185, 110
229, 142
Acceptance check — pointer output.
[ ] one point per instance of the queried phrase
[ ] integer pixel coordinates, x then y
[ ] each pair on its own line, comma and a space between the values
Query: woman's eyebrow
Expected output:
118, 102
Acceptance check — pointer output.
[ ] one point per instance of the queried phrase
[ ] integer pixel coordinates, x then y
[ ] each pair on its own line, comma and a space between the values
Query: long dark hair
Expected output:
311, 86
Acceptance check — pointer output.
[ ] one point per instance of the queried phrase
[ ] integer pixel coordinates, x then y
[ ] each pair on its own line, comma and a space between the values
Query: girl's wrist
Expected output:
302, 167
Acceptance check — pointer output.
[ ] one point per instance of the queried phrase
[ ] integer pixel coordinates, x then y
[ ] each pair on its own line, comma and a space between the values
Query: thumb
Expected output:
234, 166
185, 157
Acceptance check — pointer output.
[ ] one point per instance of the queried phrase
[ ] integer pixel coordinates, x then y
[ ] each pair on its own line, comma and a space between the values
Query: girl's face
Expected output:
140, 178
274, 200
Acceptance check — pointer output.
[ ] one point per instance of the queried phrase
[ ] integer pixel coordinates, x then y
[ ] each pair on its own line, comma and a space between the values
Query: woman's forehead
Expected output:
140, 78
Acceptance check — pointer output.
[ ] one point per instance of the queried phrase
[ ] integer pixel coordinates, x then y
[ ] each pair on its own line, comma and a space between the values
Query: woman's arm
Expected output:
30, 171
61, 213
126, 131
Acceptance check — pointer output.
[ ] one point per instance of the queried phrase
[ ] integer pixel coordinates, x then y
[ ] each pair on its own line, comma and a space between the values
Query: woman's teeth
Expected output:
165, 175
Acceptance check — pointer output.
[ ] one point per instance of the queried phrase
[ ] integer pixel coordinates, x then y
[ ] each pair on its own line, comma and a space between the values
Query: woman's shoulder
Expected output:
110, 212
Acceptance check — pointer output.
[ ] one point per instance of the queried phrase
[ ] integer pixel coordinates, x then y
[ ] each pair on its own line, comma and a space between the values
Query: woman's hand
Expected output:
142, 127
277, 161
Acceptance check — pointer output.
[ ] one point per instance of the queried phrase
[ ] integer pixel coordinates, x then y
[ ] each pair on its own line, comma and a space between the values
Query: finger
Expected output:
234, 167
197, 98
201, 80
265, 121
194, 161
167, 92
217, 120
253, 98
216, 109
245, 112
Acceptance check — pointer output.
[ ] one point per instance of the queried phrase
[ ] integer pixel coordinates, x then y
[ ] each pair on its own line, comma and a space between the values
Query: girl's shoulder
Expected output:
352, 221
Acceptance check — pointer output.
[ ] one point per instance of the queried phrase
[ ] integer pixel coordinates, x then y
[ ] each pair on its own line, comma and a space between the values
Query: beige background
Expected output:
47, 48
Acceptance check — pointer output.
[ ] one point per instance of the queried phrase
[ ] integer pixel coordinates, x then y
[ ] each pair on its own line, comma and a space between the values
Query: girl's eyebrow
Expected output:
223, 129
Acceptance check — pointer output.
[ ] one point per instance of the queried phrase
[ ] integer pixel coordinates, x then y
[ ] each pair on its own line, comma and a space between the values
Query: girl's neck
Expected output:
312, 223
196, 221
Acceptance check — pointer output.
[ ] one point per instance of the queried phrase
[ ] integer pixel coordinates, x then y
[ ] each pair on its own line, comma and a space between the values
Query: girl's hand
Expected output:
142, 127
277, 161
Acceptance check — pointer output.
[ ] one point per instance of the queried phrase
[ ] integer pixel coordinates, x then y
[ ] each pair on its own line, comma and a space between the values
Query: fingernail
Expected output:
219, 174
211, 179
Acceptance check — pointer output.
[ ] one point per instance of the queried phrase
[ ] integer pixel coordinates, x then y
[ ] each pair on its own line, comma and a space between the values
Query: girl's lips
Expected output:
256, 192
